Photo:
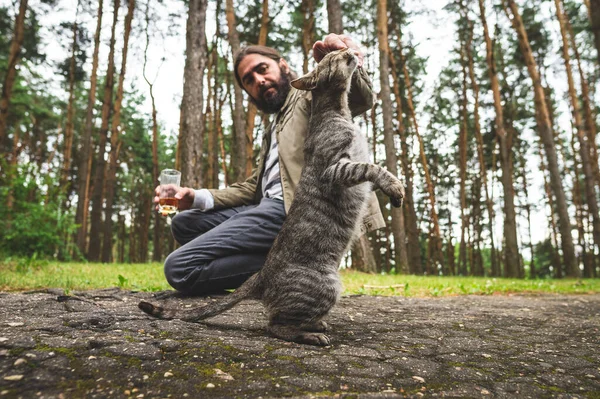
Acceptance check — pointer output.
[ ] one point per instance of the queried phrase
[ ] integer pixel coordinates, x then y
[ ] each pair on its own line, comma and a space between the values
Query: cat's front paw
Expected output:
396, 194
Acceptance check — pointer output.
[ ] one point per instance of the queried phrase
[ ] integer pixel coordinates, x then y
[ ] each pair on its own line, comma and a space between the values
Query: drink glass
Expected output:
169, 179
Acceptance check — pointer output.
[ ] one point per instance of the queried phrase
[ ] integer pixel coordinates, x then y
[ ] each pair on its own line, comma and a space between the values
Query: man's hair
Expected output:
255, 49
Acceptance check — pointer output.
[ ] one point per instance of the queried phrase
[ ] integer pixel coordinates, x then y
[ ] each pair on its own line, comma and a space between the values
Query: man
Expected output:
226, 234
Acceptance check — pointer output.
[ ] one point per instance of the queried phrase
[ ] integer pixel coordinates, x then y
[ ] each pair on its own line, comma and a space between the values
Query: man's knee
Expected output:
177, 272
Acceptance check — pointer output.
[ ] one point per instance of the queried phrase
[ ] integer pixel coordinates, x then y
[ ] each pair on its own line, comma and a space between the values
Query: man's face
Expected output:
265, 80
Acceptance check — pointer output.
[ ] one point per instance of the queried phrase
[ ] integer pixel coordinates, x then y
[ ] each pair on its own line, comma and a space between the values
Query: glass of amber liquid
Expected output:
169, 179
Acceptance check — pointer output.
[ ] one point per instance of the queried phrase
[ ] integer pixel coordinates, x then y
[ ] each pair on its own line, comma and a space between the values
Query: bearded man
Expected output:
225, 235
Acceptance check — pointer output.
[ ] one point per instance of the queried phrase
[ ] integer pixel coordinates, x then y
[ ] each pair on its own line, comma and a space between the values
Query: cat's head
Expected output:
333, 72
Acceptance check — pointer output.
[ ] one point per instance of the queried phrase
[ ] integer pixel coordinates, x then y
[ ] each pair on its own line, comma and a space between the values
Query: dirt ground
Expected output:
98, 344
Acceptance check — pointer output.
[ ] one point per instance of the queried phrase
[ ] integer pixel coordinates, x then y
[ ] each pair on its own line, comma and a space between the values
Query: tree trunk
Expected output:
143, 227
192, 127
435, 236
582, 138
398, 231
588, 112
115, 141
212, 164
527, 206
307, 8
98, 193
462, 165
83, 193
157, 244
594, 7
64, 182
11, 68
479, 140
334, 16
511, 251
251, 113
546, 133
239, 133
579, 212
413, 246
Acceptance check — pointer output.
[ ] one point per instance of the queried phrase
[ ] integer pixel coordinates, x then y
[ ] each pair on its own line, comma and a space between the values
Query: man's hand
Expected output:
334, 42
185, 196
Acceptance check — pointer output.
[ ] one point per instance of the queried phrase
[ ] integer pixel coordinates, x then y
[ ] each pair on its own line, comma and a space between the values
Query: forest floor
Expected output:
97, 344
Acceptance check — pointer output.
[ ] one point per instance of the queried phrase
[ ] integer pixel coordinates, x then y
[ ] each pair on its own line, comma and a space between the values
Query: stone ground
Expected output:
97, 344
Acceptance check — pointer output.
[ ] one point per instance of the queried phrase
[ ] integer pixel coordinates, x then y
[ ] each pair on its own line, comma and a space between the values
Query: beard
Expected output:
272, 103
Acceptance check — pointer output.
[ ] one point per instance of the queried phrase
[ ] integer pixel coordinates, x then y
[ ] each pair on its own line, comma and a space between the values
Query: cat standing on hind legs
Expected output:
299, 283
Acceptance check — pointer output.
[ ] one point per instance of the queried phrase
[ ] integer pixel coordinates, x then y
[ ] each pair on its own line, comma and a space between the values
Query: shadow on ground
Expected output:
97, 344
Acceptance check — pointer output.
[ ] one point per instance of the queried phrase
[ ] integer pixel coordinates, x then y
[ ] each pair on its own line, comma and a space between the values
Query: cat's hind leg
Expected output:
296, 334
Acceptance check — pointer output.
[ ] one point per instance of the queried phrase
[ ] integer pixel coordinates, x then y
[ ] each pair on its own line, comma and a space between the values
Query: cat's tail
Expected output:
251, 289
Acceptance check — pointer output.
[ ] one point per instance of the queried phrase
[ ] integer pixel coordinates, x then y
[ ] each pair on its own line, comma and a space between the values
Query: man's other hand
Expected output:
185, 196
333, 42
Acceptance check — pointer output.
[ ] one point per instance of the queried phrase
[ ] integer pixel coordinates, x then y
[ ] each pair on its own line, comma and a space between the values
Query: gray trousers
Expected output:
221, 249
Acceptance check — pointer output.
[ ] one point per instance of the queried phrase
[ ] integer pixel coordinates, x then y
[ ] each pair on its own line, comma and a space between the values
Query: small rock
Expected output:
16, 377
92, 358
145, 377
19, 362
31, 355
4, 352
417, 378
485, 392
16, 324
3, 393
210, 385
486, 355
3, 339
223, 375
590, 376
127, 392
168, 374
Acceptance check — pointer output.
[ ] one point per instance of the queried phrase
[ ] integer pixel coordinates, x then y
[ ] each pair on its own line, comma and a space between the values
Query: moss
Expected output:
129, 338
69, 353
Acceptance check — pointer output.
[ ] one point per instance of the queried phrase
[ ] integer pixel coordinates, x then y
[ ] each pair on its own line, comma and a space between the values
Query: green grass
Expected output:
24, 274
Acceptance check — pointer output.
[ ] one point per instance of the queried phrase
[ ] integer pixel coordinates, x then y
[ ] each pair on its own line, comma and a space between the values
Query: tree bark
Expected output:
334, 16
435, 236
413, 246
398, 230
83, 193
588, 112
594, 8
546, 133
479, 140
157, 233
462, 166
511, 251
251, 112
98, 192
240, 147
553, 232
582, 137
307, 8
64, 182
14, 57
115, 141
579, 211
192, 127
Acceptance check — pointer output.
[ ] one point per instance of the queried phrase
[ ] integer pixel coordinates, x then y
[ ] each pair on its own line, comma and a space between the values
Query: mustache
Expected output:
267, 87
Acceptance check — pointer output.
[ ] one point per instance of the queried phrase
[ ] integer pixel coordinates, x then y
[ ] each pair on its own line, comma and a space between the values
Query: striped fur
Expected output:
299, 283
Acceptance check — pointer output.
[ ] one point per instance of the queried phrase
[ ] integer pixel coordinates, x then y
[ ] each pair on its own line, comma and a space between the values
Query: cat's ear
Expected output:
306, 82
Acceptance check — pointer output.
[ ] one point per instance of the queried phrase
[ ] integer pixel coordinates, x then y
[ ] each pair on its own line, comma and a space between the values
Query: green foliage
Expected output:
35, 226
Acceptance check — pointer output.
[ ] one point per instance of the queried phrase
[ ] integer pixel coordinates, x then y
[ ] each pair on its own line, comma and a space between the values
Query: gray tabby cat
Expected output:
299, 283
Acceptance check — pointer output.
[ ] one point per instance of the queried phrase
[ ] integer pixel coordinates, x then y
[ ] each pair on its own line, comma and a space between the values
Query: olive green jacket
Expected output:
291, 128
